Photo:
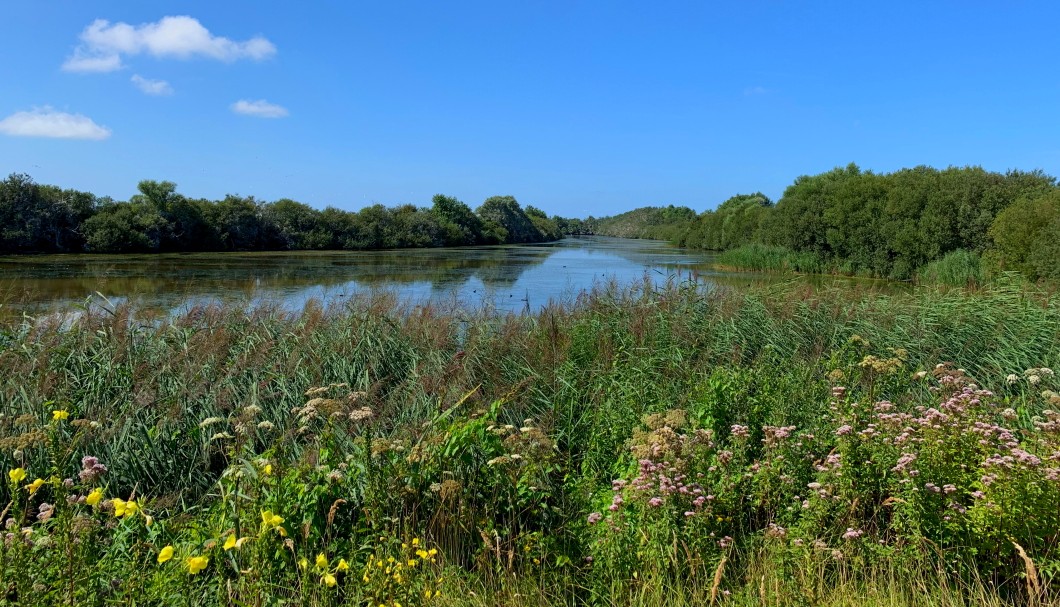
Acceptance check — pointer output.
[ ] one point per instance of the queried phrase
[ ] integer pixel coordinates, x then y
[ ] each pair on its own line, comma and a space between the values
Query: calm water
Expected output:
507, 278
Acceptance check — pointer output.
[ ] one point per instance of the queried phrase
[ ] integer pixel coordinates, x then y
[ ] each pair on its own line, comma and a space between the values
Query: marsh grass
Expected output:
958, 268
768, 258
572, 382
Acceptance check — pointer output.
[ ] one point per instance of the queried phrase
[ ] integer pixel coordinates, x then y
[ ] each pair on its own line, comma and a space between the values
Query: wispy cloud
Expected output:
152, 87
259, 108
103, 44
46, 122
80, 62
755, 90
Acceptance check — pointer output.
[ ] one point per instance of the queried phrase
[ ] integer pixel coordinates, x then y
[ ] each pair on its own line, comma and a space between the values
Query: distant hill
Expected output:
663, 223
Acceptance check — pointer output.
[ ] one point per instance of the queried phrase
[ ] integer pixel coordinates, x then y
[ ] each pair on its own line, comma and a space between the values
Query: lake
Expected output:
505, 278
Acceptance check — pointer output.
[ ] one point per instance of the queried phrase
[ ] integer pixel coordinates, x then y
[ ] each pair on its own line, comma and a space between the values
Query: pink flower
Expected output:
595, 517
91, 469
852, 534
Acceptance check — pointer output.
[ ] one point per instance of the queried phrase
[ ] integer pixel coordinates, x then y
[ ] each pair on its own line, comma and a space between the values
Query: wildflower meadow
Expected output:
779, 445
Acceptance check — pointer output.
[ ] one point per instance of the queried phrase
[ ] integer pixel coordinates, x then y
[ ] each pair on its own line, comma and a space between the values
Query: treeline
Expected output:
37, 218
892, 225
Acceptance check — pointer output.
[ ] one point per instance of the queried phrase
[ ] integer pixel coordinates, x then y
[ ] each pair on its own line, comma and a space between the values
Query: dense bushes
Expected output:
887, 225
892, 224
736, 222
1026, 237
39, 219
647, 222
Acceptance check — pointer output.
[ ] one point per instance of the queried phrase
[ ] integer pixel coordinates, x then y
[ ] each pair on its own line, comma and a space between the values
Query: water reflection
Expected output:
509, 278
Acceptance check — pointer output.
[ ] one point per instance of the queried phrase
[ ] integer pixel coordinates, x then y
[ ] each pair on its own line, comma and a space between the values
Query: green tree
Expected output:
125, 228
294, 226
504, 211
239, 223
458, 222
40, 218
1024, 236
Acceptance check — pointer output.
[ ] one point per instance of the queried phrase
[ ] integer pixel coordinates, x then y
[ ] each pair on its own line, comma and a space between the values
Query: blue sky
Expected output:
576, 107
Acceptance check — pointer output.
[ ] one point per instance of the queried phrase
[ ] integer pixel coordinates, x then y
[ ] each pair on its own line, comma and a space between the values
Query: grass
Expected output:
766, 258
491, 438
958, 268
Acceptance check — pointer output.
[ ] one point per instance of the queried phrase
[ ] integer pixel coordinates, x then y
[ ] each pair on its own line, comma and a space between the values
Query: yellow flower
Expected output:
165, 554
197, 564
303, 562
412, 562
230, 543
60, 414
149, 520
94, 496
342, 566
329, 580
415, 541
271, 520
17, 475
124, 508
322, 561
422, 553
432, 552
268, 469
35, 485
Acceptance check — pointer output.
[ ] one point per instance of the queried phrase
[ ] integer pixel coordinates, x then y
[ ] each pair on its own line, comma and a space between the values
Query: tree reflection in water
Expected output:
510, 277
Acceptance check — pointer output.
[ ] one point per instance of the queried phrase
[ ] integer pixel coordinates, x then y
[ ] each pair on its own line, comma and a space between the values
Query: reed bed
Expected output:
301, 455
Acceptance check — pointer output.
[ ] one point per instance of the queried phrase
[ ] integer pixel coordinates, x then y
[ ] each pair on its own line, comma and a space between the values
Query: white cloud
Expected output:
81, 63
152, 87
259, 108
103, 44
46, 122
